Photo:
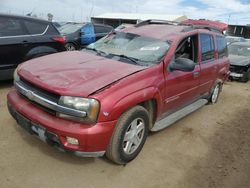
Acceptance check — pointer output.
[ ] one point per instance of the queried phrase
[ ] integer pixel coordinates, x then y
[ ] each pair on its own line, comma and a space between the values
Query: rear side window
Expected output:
107, 29
207, 47
222, 46
99, 29
35, 28
11, 27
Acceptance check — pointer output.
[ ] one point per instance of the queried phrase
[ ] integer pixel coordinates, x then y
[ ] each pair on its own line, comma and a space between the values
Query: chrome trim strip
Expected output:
47, 103
34, 35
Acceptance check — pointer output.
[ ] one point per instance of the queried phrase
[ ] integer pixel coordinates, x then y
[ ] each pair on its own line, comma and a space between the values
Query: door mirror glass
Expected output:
182, 64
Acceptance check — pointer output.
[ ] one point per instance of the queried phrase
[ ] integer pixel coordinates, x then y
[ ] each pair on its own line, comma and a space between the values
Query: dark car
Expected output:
81, 34
239, 55
23, 38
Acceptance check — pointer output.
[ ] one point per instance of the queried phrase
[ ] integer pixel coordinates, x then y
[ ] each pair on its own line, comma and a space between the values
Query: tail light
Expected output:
59, 39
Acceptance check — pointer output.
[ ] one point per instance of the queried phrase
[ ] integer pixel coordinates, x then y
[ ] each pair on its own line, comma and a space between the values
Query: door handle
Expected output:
25, 42
196, 74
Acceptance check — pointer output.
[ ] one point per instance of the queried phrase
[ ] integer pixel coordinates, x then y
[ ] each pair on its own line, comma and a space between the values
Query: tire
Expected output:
246, 76
70, 47
129, 135
215, 93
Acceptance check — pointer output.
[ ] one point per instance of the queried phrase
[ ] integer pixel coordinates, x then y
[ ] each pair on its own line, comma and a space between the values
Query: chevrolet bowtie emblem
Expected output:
30, 95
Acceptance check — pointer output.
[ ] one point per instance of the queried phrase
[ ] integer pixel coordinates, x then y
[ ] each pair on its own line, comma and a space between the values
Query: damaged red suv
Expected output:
106, 98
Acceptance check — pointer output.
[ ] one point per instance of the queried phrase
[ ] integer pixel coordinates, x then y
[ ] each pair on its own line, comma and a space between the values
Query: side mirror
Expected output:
182, 64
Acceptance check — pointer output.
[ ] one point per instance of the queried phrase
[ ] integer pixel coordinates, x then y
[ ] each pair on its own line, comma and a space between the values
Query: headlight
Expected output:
15, 76
90, 106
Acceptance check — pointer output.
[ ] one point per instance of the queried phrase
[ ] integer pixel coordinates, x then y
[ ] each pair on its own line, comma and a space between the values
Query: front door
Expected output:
182, 88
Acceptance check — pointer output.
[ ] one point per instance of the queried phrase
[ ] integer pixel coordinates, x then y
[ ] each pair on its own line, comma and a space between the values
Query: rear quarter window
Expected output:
222, 46
35, 28
207, 47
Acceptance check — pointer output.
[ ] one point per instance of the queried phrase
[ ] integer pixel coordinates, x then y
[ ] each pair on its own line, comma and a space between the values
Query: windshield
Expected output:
70, 28
239, 50
134, 46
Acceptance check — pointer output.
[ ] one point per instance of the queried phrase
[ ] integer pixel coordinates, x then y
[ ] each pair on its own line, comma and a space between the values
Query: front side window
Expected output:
10, 27
207, 47
140, 48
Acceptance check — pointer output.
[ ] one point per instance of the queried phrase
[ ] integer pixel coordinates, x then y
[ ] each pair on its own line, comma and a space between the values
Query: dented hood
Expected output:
75, 73
239, 60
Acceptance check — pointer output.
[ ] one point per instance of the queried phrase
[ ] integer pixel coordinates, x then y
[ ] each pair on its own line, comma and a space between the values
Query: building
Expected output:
116, 19
239, 31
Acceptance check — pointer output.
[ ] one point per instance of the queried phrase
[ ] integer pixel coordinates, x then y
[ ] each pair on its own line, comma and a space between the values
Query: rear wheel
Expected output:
129, 135
215, 93
70, 47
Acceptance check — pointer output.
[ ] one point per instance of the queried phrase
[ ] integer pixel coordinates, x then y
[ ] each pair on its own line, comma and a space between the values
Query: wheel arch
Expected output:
149, 98
39, 50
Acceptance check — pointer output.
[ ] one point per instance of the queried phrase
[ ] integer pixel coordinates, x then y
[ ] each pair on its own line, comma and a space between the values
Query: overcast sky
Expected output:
236, 11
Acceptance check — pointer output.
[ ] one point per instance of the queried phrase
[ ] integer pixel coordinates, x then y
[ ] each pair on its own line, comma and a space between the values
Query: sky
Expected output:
230, 11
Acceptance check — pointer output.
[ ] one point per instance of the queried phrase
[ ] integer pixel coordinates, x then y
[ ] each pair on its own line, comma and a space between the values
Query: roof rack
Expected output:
190, 28
154, 21
193, 27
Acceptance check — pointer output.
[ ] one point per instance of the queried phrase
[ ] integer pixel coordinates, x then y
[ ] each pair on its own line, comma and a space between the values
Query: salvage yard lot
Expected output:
209, 148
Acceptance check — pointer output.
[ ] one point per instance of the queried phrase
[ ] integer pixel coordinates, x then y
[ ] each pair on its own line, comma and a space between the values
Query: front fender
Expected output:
115, 111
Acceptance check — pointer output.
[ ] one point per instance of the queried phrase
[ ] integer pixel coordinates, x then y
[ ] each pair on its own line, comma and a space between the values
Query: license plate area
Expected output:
237, 75
31, 127
39, 131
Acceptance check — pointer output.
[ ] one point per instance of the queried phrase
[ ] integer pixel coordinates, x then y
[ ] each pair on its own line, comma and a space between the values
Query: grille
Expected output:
238, 69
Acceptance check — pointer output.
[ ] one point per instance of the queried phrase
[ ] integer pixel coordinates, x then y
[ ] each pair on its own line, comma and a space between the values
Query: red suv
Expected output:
106, 98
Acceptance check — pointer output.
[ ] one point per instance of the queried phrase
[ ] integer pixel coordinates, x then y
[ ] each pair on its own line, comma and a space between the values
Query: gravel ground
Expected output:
209, 148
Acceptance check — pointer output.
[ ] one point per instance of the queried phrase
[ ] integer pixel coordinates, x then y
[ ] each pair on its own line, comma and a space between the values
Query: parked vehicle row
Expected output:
106, 98
82, 34
24, 38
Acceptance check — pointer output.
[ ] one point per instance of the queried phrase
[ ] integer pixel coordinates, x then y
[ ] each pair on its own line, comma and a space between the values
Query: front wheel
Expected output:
129, 135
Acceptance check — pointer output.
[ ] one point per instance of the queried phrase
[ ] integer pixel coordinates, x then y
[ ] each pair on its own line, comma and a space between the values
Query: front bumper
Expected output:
93, 139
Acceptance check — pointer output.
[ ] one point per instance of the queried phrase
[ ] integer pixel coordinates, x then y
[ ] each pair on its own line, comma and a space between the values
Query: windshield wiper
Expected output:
134, 60
99, 52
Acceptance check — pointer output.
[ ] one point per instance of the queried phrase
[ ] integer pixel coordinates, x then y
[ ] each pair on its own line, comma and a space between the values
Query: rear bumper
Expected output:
93, 139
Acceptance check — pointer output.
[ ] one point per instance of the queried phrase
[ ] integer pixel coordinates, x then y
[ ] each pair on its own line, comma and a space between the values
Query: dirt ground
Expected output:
209, 148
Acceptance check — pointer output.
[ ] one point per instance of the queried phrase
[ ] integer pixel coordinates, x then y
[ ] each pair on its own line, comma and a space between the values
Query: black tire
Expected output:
70, 47
246, 76
212, 99
116, 151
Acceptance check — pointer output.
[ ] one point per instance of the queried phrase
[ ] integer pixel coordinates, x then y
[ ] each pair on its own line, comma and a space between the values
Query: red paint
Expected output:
117, 86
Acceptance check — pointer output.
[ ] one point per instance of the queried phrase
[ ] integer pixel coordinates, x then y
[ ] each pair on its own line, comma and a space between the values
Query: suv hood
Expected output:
75, 73
239, 60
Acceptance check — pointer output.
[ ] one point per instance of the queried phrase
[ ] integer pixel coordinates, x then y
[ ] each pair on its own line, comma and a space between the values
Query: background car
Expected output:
123, 26
24, 38
232, 39
81, 34
239, 55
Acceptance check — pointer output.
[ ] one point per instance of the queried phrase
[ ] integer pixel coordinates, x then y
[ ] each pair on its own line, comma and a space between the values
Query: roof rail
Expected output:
154, 21
207, 27
190, 28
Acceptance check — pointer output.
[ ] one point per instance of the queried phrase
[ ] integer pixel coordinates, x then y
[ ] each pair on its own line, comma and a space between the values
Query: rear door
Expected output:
208, 62
12, 39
